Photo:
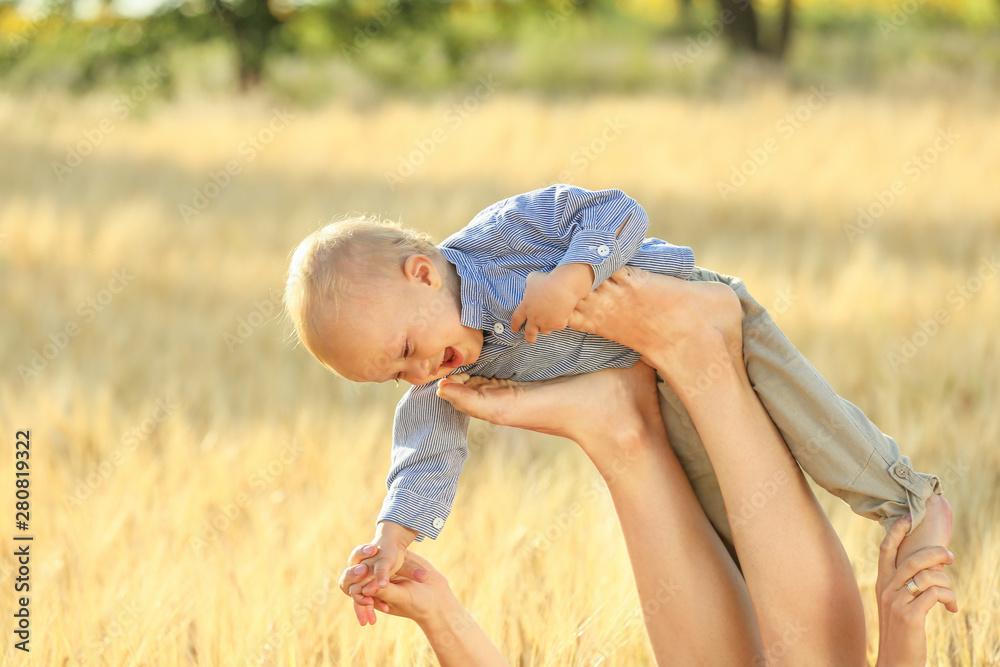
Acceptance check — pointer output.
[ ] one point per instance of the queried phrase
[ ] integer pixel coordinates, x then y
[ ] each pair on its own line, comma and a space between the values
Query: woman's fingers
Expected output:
411, 569
350, 576
927, 579
924, 602
361, 613
460, 378
465, 399
935, 586
361, 552
921, 559
890, 544
420, 561
364, 613
352, 581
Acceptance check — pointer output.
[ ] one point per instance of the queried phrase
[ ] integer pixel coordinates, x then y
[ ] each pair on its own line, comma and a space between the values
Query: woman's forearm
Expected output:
458, 641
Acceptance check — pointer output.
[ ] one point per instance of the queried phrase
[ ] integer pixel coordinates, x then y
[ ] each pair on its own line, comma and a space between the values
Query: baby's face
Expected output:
412, 332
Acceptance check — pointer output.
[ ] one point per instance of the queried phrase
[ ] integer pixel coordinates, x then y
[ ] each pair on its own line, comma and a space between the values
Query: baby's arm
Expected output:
550, 299
429, 450
588, 236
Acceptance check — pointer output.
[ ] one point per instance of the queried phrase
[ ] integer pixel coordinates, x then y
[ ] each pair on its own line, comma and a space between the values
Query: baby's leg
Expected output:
696, 606
830, 438
800, 580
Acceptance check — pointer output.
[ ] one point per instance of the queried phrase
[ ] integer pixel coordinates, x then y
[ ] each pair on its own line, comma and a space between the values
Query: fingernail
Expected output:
368, 550
420, 575
358, 569
907, 517
382, 583
950, 554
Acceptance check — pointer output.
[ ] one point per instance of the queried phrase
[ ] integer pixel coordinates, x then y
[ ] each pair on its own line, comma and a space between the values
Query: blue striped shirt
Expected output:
534, 231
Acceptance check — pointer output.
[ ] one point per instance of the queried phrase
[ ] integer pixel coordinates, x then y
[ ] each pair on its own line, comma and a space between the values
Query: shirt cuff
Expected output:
594, 247
424, 515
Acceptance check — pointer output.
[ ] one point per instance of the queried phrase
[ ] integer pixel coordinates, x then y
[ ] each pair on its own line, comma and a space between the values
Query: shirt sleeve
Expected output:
429, 448
572, 224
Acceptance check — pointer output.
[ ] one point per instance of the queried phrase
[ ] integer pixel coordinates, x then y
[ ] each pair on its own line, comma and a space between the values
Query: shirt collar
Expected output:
473, 315
476, 313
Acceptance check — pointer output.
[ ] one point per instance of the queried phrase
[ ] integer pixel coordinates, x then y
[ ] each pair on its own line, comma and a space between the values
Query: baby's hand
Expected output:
417, 591
550, 298
384, 559
356, 577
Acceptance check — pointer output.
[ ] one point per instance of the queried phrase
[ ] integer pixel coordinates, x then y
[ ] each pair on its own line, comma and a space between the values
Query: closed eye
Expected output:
406, 354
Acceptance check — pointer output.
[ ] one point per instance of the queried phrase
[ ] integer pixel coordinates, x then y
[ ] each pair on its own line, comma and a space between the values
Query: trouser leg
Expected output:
831, 439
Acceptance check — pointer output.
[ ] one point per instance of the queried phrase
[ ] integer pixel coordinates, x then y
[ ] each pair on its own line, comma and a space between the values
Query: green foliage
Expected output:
559, 46
61, 51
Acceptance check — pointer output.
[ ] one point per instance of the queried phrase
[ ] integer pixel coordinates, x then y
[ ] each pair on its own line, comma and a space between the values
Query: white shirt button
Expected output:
498, 328
603, 250
438, 523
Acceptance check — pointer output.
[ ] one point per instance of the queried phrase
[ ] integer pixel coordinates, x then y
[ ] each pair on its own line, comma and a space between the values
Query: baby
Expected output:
373, 302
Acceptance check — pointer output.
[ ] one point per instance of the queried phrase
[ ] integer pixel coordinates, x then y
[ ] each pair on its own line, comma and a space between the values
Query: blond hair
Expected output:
341, 260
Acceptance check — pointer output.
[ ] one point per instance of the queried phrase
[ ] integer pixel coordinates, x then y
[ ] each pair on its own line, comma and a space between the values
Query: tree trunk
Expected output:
251, 24
742, 30
785, 30
250, 48
685, 12
250, 75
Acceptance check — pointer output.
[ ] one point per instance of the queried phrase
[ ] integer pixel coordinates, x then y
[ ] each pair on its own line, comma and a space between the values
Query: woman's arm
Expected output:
422, 594
902, 615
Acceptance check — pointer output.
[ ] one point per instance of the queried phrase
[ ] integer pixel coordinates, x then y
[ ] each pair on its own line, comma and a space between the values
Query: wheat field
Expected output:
197, 481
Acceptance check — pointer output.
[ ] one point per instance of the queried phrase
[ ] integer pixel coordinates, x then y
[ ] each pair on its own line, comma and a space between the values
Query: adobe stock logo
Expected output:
203, 195
914, 168
957, 297
59, 340
786, 127
424, 147
262, 313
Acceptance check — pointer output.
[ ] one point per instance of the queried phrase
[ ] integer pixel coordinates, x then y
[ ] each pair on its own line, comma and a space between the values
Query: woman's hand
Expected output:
416, 591
903, 612
419, 592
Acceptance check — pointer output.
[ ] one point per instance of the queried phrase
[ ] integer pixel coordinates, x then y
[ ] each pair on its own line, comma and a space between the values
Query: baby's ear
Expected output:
421, 268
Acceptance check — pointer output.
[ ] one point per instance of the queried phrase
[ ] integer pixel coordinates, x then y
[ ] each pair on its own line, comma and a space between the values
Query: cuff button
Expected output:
603, 250
497, 329
438, 523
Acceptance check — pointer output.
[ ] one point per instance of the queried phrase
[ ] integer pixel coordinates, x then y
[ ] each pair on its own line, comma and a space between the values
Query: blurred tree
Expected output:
251, 25
739, 18
53, 44
413, 27
686, 11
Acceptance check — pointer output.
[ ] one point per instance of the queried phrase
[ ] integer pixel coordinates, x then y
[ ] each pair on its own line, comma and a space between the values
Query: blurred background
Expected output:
197, 480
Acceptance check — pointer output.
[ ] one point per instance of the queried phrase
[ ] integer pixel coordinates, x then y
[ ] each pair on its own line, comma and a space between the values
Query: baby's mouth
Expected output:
452, 358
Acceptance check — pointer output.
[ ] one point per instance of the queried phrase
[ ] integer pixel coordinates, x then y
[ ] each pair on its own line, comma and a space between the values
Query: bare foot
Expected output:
613, 403
934, 530
649, 312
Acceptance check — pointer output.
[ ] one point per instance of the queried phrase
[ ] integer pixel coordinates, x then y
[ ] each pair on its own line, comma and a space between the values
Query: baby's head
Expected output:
375, 301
